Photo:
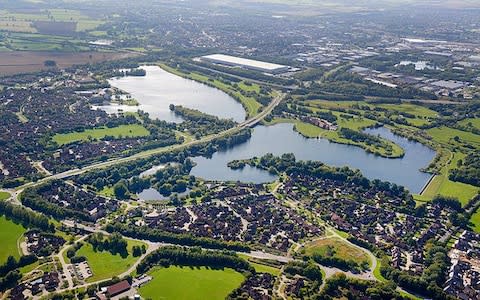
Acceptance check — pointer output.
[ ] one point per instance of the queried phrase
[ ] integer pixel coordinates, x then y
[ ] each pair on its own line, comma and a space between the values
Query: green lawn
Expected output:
441, 185
340, 249
475, 220
473, 122
191, 283
9, 235
377, 273
133, 130
4, 196
261, 268
105, 265
446, 135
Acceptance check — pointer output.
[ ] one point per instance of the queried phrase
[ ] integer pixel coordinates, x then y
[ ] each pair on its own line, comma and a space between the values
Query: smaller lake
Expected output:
159, 88
152, 194
281, 138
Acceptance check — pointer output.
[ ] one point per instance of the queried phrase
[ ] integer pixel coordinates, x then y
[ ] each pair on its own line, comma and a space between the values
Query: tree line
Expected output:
182, 256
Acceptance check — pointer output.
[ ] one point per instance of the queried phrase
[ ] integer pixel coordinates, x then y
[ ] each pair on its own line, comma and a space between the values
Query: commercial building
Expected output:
245, 63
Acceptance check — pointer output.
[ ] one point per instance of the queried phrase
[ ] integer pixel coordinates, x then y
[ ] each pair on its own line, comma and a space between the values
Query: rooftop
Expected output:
244, 61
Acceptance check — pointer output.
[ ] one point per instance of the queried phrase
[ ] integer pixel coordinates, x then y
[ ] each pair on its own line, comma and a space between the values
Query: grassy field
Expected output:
422, 114
261, 268
26, 21
473, 122
475, 220
339, 249
104, 264
249, 103
4, 196
133, 130
191, 283
441, 185
446, 135
9, 235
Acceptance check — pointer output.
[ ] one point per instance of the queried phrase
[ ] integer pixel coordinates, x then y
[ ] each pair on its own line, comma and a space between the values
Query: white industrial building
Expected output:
245, 63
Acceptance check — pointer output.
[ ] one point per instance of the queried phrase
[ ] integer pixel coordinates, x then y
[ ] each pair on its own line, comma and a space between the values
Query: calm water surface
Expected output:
159, 88
281, 138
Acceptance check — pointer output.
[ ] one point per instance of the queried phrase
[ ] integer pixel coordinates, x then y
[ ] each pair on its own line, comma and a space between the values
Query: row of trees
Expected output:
27, 218
113, 243
156, 235
183, 256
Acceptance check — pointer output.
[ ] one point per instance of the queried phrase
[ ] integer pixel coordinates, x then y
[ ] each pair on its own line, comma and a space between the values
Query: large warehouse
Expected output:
245, 63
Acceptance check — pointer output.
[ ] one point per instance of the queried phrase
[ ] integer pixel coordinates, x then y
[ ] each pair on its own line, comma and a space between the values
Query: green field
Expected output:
10, 233
105, 265
133, 130
186, 283
441, 185
340, 249
471, 122
475, 220
446, 135
261, 268
23, 22
4, 196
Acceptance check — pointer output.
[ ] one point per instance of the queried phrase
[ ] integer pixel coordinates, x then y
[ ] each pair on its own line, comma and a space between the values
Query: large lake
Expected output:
159, 88
281, 138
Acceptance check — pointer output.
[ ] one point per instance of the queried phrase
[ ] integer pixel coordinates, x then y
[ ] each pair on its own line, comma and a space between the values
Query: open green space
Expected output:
260, 267
442, 185
10, 234
105, 265
185, 283
132, 130
446, 135
25, 22
475, 220
471, 122
337, 248
4, 196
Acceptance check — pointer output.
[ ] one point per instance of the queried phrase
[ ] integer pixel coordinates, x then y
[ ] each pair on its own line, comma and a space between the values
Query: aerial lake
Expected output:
159, 88
281, 138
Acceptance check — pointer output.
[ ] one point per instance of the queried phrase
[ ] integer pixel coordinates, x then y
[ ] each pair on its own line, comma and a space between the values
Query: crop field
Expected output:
9, 235
16, 62
133, 130
57, 21
184, 283
338, 248
105, 265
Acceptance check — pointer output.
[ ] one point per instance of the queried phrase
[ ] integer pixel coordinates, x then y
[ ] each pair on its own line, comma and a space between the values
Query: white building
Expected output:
245, 63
